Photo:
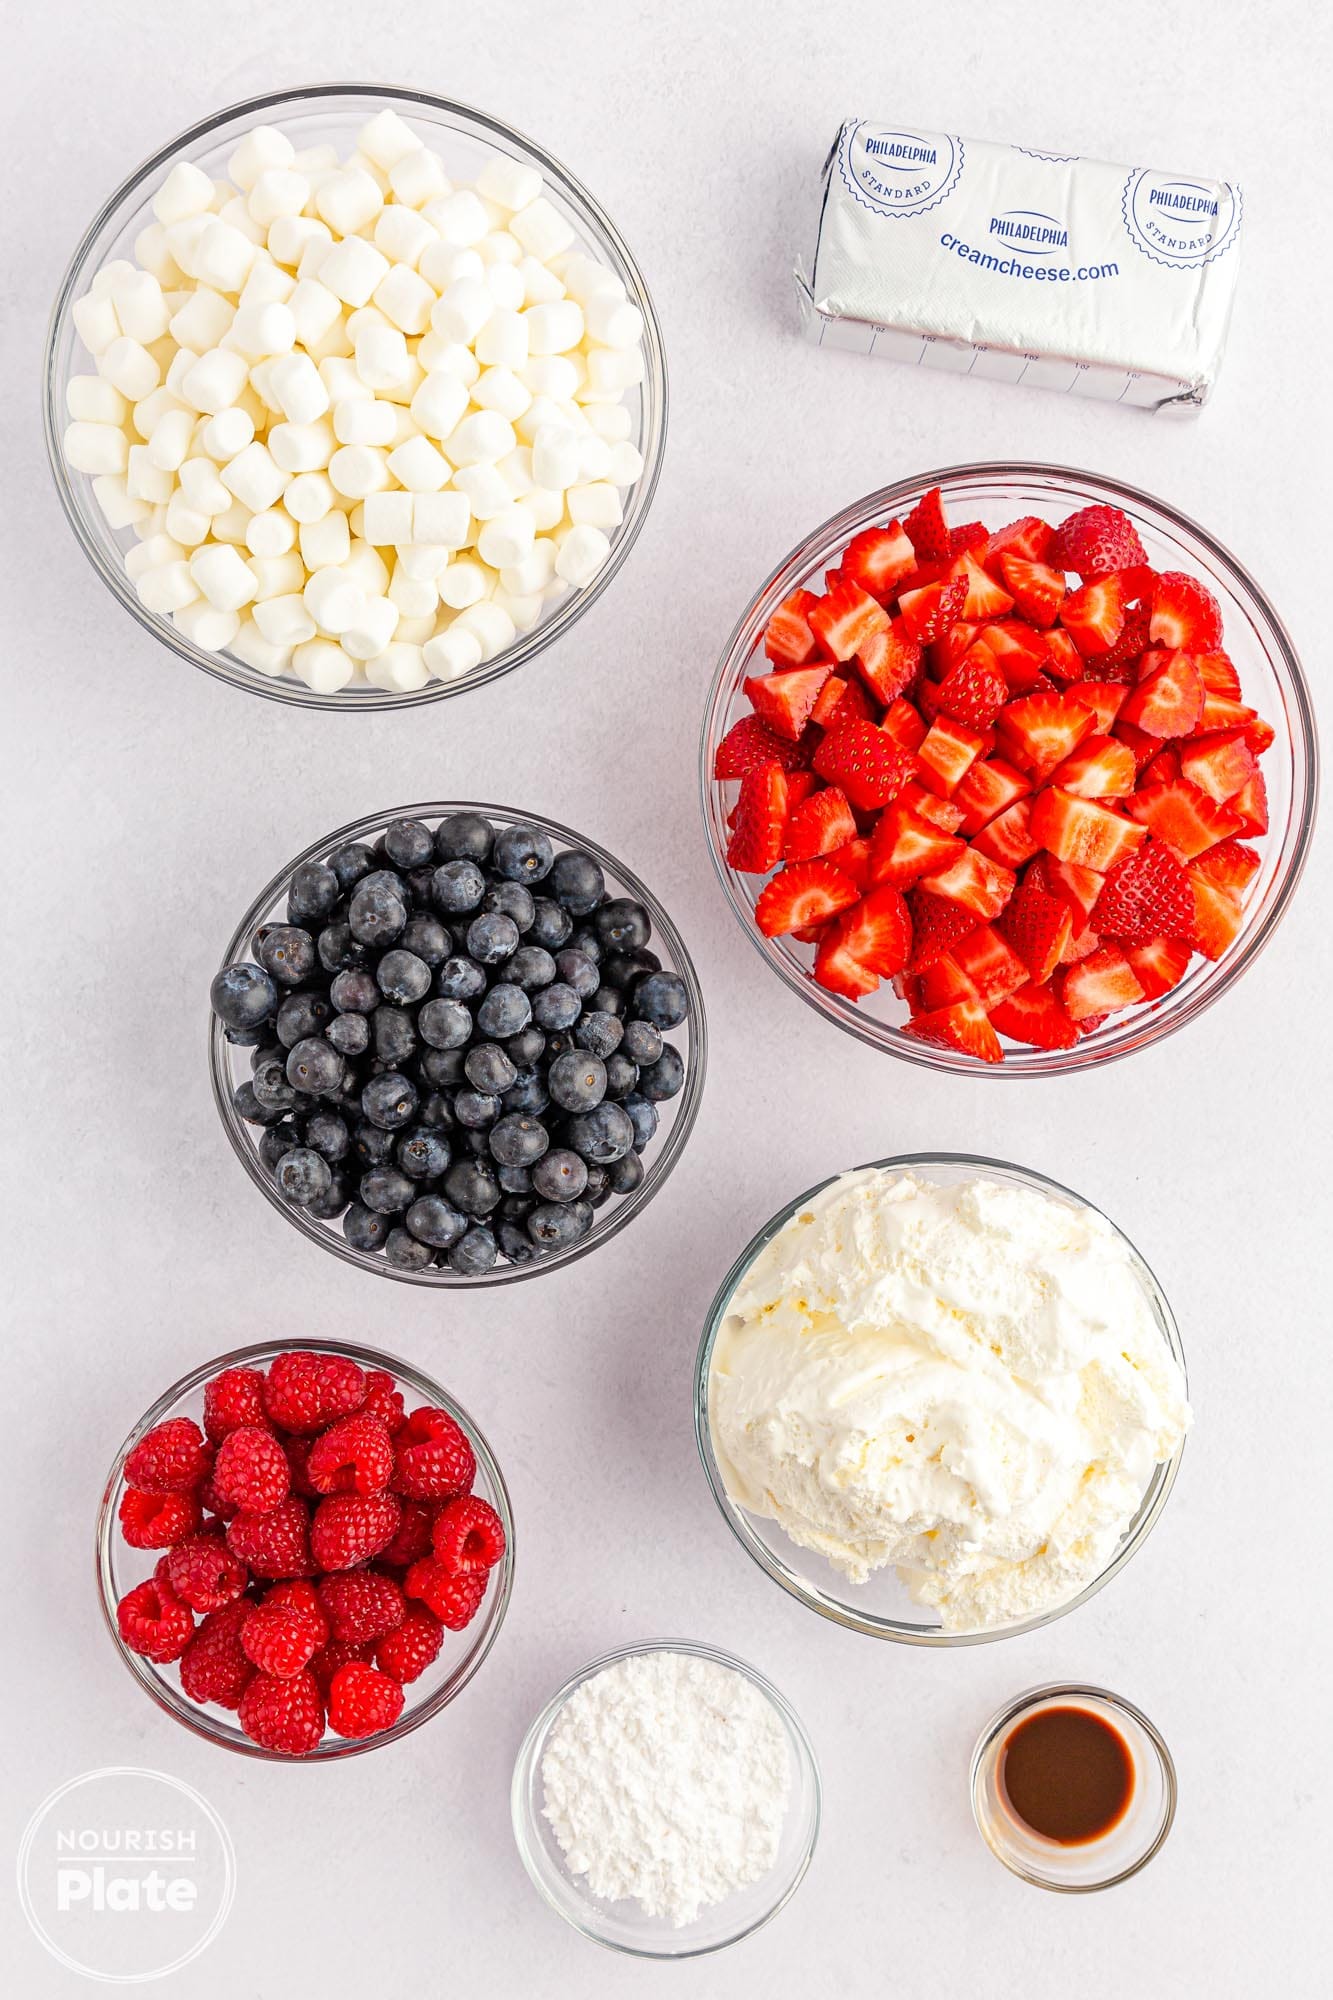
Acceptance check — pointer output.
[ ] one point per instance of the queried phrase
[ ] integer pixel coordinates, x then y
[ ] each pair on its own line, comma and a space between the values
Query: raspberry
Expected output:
251, 1470
276, 1544
204, 1573
408, 1652
384, 1401
300, 1595
157, 1520
280, 1639
432, 1458
283, 1715
349, 1528
298, 1450
353, 1456
171, 1458
212, 1501
452, 1595
305, 1391
362, 1606
412, 1540
468, 1535
338, 1653
214, 1666
362, 1701
233, 1398
153, 1622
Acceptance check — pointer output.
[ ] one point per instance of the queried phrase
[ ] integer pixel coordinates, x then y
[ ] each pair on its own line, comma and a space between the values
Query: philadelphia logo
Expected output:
910, 151
1030, 229
1180, 224
1183, 200
896, 173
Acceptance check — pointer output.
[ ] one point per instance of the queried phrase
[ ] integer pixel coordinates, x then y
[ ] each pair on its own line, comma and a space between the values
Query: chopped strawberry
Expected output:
906, 846
806, 892
950, 647
839, 700
971, 879
970, 535
800, 784
1217, 916
876, 932
1095, 541
964, 1027
1064, 662
1104, 698
854, 861
1034, 1015
1121, 661
904, 725
788, 639
1146, 895
1251, 806
1027, 537
927, 529
947, 752
940, 812
878, 559
1185, 614
1101, 983
1142, 746
1042, 730
1221, 712
944, 984
1220, 764
818, 825
1159, 964
1037, 590
1078, 886
1218, 673
930, 611
1020, 654
1163, 769
1168, 701
1260, 735
1078, 830
987, 790
845, 618
1081, 945
785, 701
974, 692
1094, 616
1230, 865
759, 820
1100, 768
750, 743
989, 960
1184, 817
836, 969
889, 661
936, 927
984, 599
868, 765
1008, 838
1038, 925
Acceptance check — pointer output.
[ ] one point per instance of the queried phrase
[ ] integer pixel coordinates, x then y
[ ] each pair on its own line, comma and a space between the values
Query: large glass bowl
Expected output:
230, 1065
881, 1607
331, 114
1271, 680
623, 1926
119, 1567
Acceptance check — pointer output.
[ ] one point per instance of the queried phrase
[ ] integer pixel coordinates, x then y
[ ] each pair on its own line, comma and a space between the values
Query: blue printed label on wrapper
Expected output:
1178, 222
896, 172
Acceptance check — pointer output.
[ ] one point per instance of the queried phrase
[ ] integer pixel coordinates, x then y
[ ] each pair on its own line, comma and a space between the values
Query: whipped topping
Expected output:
966, 1381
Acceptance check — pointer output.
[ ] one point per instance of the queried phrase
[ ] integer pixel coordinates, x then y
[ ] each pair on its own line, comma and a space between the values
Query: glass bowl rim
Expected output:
527, 1768
527, 645
1138, 1031
151, 1676
873, 1625
690, 1097
1034, 1697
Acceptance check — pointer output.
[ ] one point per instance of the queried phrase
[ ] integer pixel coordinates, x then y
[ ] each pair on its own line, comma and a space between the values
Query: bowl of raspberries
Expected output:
457, 1044
1009, 769
303, 1553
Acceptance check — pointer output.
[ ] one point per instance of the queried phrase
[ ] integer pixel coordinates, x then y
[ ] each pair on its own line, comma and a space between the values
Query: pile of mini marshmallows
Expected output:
364, 423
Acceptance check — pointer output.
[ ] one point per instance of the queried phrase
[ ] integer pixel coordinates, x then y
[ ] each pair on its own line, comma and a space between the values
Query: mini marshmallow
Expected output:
424, 562
129, 367
486, 490
202, 321
207, 627
223, 576
187, 190
364, 420
367, 568
505, 284
509, 183
403, 236
348, 200
183, 240
490, 625
323, 666
226, 433
143, 479
584, 278
277, 576
451, 654
405, 299
530, 577
462, 310
262, 331
415, 596
151, 553
382, 359
231, 524
277, 192
358, 469
387, 518
480, 439
352, 269
98, 448
372, 629
296, 385
151, 254
290, 236
250, 646
541, 229
170, 440
594, 457
440, 262
237, 216
309, 497
499, 247
555, 457
418, 466
503, 341
386, 138
460, 218
112, 495
464, 582
263, 148
596, 505
223, 256
302, 447
400, 668
336, 344
197, 479
624, 463
95, 323
254, 477
613, 322
333, 599
271, 533
554, 375
140, 307
442, 518
541, 287
524, 612
90, 399
327, 542
214, 381
507, 536
267, 284
284, 620
515, 468
582, 553
168, 588
499, 389
554, 328
612, 370
418, 177
439, 404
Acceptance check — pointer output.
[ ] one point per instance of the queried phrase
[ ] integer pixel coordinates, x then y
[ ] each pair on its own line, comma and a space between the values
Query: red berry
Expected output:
354, 1455
171, 1458
157, 1520
1095, 541
362, 1701
283, 1715
305, 1391
203, 1572
361, 1606
468, 1535
432, 1457
214, 1666
280, 1638
233, 1398
384, 1400
337, 1653
408, 1652
275, 1544
454, 1596
412, 1541
299, 1594
298, 1450
350, 1528
251, 1470
154, 1622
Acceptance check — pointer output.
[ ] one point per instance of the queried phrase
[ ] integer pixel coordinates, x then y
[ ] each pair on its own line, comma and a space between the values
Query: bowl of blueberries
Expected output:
457, 1044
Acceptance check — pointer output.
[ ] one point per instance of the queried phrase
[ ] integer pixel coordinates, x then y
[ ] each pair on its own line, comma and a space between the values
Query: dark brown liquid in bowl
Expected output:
1067, 1774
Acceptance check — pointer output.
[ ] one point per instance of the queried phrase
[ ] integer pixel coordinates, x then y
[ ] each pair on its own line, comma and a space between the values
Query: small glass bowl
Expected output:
118, 1565
1126, 1847
1271, 680
881, 1607
331, 114
229, 1065
623, 1926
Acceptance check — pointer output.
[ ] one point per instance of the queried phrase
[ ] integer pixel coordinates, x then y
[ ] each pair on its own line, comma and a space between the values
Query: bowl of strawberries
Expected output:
1009, 768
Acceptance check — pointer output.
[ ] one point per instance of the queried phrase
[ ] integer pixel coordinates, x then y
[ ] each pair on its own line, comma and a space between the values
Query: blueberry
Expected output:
643, 1117
301, 1015
488, 1068
389, 1101
355, 991
576, 882
624, 1175
560, 1176
598, 1189
314, 1065
551, 925
387, 879
442, 1069
577, 1081
622, 1076
527, 1094
525, 1048
403, 977
474, 1254
622, 924
506, 1010
432, 1220
423, 1155
602, 1135
276, 1140
475, 1109
338, 949
642, 1042
302, 1175
586, 940
558, 1225
394, 1035
247, 1104
246, 1038
532, 966
428, 938
607, 1000
349, 863
622, 969
514, 1242
576, 969
408, 843
312, 892
492, 937
363, 1228
325, 1207
327, 1135
600, 1034
464, 836
556, 1006
522, 854
287, 953
270, 1083
375, 915
405, 1253
516, 1141
387, 1190
243, 996
434, 1113
349, 1033
472, 1187
664, 1077
511, 899
661, 998
558, 1043
460, 978
457, 888
517, 1184
444, 1024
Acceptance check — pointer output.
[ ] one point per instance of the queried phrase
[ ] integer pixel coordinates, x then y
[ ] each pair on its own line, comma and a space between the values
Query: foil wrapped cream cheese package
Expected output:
1022, 266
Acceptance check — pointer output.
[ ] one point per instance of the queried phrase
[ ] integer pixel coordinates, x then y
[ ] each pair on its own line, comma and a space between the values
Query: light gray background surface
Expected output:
146, 803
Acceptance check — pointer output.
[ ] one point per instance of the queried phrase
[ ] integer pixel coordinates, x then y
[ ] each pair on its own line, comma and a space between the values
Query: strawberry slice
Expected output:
1078, 830
1230, 865
1042, 730
1037, 590
788, 639
1217, 916
1159, 964
1064, 662
867, 764
984, 599
804, 894
930, 611
975, 691
1260, 735
836, 969
1095, 541
841, 700
990, 962
1146, 895
1100, 768
964, 1027
950, 647
854, 860
1034, 1015
906, 846
974, 881
1104, 698
946, 753
1168, 701
1218, 673
943, 984
876, 932
1078, 886
878, 559
759, 820
1100, 983
1081, 945
1029, 537
940, 812
1221, 712
818, 825
927, 529
800, 784
1094, 616
936, 928
1220, 764
1038, 925
904, 725
987, 789
845, 618
1185, 614
1008, 838
1163, 769
1019, 653
786, 701
1184, 817
889, 661
750, 743
1251, 805
970, 535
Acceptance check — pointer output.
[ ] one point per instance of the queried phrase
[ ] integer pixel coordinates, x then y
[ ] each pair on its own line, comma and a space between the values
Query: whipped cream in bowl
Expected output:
941, 1399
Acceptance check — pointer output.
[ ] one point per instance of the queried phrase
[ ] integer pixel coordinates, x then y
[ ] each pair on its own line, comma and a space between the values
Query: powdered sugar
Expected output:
666, 1779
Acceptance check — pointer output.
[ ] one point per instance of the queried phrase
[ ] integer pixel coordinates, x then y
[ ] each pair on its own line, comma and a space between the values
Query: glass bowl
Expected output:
229, 1064
881, 1607
623, 1926
331, 114
119, 1567
1125, 1847
1271, 679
